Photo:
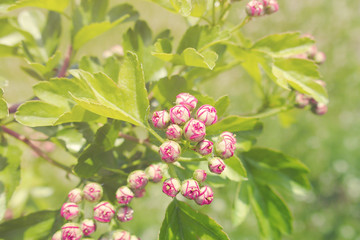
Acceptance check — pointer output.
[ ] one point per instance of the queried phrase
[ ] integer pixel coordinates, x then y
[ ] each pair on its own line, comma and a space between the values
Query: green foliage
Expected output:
4, 112
183, 222
53, 5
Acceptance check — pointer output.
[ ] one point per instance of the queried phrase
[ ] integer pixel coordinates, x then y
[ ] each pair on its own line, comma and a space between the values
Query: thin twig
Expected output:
37, 150
65, 66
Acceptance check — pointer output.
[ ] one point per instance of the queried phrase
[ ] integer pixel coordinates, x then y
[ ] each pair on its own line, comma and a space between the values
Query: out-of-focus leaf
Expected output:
51, 33
272, 214
241, 206
221, 105
182, 222
121, 10
301, 75
25, 227
232, 124
284, 44
182, 6
235, 170
71, 139
95, 9
54, 5
91, 160
165, 4
4, 111
7, 51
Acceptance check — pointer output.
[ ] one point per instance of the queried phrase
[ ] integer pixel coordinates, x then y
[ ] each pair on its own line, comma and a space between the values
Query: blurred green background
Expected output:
329, 145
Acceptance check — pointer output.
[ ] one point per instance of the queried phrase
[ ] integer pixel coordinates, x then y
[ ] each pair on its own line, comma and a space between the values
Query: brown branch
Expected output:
37, 150
65, 66
145, 142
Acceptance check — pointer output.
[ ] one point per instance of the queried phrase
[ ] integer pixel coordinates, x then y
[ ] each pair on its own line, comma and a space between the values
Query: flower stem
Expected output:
237, 27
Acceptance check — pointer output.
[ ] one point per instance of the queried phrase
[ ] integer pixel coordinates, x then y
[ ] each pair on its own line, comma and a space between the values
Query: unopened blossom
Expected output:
199, 175
139, 193
75, 195
205, 147
190, 189
187, 100
125, 214
173, 132
104, 212
170, 151
272, 7
228, 135
311, 52
121, 235
69, 211
320, 57
206, 196
216, 165
57, 236
319, 109
194, 130
160, 119
93, 192
255, 8
154, 173
137, 179
124, 195
179, 114
71, 231
207, 114
171, 187
88, 227
301, 100
225, 148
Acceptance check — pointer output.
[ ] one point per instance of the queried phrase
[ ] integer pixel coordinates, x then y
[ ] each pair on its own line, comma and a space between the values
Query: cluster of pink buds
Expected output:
256, 8
184, 128
103, 211
302, 100
312, 53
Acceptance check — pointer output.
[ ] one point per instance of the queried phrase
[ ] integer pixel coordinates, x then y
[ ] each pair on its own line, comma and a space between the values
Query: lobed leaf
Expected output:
241, 205
182, 223
232, 124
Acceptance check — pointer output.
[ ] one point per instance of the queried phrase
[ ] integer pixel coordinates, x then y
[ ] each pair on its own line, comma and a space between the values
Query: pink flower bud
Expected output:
57, 236
320, 58
194, 130
199, 175
216, 165
206, 196
272, 7
190, 189
187, 100
124, 195
104, 212
173, 132
69, 211
121, 235
93, 192
312, 52
75, 195
171, 187
179, 114
205, 147
137, 179
170, 151
228, 135
160, 119
125, 214
88, 226
154, 173
207, 114
255, 8
139, 193
319, 109
301, 100
225, 148
71, 231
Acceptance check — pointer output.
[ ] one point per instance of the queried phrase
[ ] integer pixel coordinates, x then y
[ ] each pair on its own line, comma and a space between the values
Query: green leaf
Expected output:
94, 30
95, 9
235, 170
165, 4
301, 75
241, 206
272, 214
127, 102
4, 111
7, 51
54, 5
221, 105
51, 33
17, 229
232, 124
284, 44
169, 88
183, 223
121, 10
92, 159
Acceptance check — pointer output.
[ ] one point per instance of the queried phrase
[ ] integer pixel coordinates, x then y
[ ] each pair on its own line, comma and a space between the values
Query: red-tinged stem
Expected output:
37, 150
65, 66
